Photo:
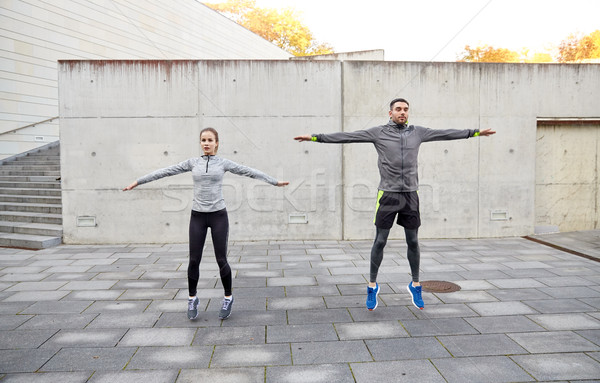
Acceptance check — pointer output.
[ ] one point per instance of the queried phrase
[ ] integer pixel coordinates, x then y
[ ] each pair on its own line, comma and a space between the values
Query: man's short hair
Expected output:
397, 100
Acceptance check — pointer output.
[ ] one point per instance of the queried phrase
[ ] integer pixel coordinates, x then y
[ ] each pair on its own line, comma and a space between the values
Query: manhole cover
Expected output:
439, 287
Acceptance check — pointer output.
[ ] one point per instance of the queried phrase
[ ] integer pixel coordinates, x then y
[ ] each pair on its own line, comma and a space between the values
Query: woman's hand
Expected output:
134, 184
282, 183
306, 137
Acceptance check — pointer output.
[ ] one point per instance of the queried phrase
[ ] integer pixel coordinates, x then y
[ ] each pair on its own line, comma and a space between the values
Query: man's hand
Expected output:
487, 132
282, 183
134, 184
306, 137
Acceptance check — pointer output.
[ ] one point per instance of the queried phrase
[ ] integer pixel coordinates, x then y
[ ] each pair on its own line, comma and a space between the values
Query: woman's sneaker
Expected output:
415, 293
372, 293
226, 308
193, 308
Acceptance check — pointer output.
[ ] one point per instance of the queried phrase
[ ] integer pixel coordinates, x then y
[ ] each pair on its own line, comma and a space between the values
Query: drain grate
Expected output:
439, 287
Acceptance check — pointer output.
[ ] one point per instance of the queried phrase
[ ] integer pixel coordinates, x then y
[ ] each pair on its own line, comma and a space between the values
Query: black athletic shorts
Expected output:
405, 204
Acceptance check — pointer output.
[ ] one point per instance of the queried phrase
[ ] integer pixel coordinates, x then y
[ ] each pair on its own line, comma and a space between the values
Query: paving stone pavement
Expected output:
526, 312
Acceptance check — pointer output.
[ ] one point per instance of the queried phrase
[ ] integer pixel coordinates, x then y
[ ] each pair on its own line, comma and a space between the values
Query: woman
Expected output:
208, 211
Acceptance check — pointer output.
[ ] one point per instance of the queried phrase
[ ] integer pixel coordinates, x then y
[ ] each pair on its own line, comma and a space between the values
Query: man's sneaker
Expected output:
226, 309
415, 293
372, 297
193, 308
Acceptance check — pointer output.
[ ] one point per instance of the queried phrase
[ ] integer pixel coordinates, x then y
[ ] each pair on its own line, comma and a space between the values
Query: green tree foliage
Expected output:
281, 27
576, 47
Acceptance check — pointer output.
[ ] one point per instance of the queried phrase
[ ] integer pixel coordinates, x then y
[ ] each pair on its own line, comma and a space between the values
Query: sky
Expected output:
438, 30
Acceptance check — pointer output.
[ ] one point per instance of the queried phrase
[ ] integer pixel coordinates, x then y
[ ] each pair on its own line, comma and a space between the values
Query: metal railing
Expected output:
29, 126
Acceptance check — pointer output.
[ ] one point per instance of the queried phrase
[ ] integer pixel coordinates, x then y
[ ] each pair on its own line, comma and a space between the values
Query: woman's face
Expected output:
209, 143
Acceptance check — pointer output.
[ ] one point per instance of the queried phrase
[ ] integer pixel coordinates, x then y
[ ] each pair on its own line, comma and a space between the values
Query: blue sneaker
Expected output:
372, 297
415, 293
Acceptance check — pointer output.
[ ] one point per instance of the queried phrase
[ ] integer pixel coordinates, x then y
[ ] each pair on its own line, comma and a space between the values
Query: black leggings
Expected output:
413, 253
219, 231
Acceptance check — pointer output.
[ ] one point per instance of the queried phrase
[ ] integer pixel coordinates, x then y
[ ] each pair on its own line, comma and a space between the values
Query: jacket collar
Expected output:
392, 124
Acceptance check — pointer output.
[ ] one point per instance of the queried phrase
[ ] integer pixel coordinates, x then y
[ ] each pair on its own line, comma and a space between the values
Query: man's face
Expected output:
399, 112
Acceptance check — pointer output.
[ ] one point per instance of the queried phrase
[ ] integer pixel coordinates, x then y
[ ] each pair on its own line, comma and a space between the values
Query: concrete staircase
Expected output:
30, 199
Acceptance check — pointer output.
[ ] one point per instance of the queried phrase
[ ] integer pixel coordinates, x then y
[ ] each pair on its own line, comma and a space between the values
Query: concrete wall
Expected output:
35, 34
370, 55
122, 119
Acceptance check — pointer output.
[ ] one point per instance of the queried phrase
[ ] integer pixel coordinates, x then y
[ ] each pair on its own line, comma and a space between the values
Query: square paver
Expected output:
90, 359
48, 377
170, 358
382, 313
550, 342
58, 321
229, 335
36, 296
15, 339
311, 291
301, 333
180, 320
237, 375
451, 310
556, 306
11, 322
57, 307
158, 376
85, 338
502, 308
124, 320
406, 348
575, 321
36, 286
370, 330
252, 318
435, 327
552, 367
25, 360
140, 337
322, 373
251, 355
591, 335
295, 303
465, 297
481, 345
118, 307
133, 294
481, 369
318, 316
330, 352
503, 324
406, 371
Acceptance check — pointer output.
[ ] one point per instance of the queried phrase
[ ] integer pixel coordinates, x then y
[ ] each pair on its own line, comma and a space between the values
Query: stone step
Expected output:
27, 241
30, 199
29, 173
27, 178
31, 191
29, 167
21, 198
31, 207
30, 185
37, 157
16, 216
46, 229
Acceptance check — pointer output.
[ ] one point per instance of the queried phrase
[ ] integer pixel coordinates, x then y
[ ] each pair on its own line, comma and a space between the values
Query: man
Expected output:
397, 145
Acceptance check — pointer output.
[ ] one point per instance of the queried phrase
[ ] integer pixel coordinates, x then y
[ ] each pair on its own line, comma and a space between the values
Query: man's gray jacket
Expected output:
398, 148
